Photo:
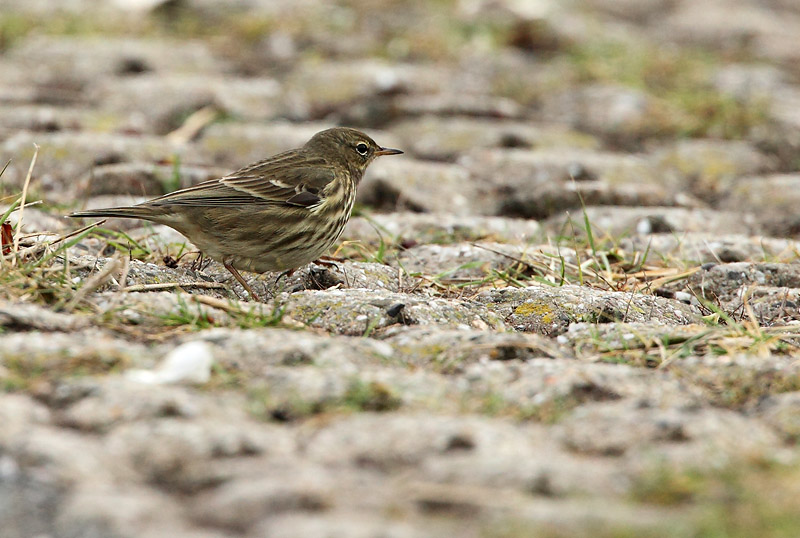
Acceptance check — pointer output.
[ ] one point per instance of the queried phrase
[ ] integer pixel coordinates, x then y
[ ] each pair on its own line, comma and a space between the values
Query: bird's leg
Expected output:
198, 261
241, 280
287, 274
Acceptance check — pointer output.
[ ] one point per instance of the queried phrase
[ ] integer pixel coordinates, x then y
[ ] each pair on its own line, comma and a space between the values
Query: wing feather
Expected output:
289, 178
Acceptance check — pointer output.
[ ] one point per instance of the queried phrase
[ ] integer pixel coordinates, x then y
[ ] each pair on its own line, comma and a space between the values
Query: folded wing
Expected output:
289, 178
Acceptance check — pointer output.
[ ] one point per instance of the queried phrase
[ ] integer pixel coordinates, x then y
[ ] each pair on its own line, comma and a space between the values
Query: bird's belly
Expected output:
252, 241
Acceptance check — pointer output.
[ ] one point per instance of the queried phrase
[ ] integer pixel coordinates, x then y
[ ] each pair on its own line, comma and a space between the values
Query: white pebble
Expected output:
188, 363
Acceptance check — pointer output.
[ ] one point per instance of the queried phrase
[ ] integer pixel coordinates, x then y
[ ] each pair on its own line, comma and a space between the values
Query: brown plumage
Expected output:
273, 215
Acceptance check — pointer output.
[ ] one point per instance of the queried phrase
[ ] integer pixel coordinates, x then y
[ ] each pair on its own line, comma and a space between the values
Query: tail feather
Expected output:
130, 212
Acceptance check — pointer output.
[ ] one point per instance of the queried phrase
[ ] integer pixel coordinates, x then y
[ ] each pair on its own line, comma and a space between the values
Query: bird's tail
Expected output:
130, 212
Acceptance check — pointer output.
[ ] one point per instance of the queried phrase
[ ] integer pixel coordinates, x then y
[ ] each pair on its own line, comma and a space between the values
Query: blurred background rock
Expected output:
220, 84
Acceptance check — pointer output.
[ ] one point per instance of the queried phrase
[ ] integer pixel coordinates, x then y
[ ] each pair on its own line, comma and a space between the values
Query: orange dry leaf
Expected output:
7, 237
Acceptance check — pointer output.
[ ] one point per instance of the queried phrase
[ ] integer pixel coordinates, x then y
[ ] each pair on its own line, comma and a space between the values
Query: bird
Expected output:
276, 214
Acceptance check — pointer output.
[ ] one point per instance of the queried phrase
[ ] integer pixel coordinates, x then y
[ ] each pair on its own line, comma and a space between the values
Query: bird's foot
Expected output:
198, 261
328, 261
287, 274
241, 280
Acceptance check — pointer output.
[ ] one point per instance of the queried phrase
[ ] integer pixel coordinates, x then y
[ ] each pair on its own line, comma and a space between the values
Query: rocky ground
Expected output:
570, 309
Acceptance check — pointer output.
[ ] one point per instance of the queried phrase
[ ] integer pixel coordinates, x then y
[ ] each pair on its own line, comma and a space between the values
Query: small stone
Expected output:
188, 363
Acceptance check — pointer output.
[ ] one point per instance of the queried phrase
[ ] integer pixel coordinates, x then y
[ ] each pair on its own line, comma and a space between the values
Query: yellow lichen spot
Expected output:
543, 311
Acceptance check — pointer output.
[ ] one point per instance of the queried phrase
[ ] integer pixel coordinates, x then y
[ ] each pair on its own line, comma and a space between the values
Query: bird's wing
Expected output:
288, 178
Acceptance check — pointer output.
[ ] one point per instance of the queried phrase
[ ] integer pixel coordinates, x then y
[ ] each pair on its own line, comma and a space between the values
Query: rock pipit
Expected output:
274, 215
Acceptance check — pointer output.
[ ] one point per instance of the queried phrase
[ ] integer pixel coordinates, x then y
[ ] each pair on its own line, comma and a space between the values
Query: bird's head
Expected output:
348, 147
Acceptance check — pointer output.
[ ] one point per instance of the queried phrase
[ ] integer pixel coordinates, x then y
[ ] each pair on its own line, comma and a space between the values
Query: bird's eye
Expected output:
362, 148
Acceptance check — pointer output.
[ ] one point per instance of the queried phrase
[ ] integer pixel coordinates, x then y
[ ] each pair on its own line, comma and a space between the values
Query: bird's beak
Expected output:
388, 151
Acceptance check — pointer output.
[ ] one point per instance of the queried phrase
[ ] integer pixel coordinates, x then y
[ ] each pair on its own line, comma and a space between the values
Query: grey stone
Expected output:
621, 340
234, 145
294, 392
774, 305
28, 317
419, 186
190, 456
615, 221
540, 183
739, 381
702, 248
735, 26
749, 82
20, 414
772, 199
358, 312
39, 361
640, 12
549, 389
143, 178
128, 511
463, 262
27, 505
459, 451
42, 7
724, 25
161, 102
117, 401
315, 91
154, 103
43, 118
787, 5
58, 460
782, 412
35, 220
283, 486
254, 98
453, 350
447, 138
256, 352
614, 428
89, 59
449, 104
141, 273
398, 441
340, 523
708, 168
408, 229
782, 137
64, 156
374, 276
623, 116
550, 310
728, 281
